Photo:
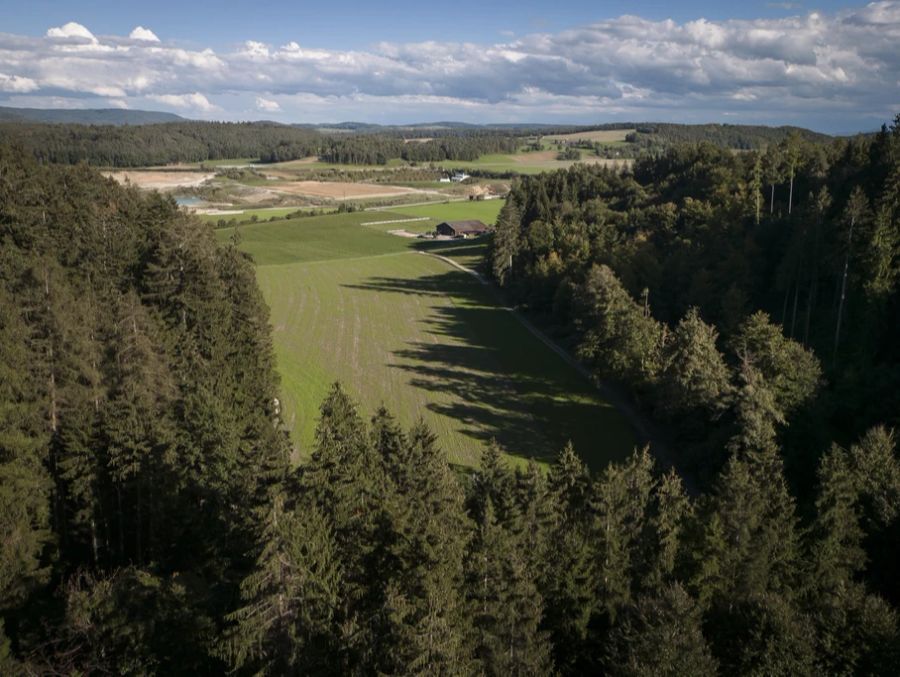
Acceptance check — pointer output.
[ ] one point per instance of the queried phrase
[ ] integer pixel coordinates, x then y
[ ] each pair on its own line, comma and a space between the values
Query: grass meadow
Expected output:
407, 330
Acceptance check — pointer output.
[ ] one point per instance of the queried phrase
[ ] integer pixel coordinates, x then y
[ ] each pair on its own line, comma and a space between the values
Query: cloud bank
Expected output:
838, 71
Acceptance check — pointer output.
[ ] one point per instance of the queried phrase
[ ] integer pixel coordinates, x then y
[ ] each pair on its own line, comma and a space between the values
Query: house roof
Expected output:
470, 226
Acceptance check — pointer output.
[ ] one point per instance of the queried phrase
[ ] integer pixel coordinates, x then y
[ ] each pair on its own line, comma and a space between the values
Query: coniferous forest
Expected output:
152, 522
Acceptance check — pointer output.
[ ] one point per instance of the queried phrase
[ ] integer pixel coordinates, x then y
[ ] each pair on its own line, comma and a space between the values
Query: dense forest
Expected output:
152, 522
379, 148
643, 271
189, 141
156, 144
160, 144
657, 135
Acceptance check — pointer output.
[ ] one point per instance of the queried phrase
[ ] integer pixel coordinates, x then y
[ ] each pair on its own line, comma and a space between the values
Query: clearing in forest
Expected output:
401, 328
597, 135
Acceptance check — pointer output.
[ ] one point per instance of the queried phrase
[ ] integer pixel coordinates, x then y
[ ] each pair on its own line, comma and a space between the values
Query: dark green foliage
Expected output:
192, 141
137, 395
152, 523
662, 635
504, 603
616, 261
287, 623
160, 144
694, 372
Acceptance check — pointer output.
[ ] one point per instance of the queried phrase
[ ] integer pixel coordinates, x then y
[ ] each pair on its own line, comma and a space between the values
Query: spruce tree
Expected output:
661, 635
504, 603
427, 627
286, 625
694, 373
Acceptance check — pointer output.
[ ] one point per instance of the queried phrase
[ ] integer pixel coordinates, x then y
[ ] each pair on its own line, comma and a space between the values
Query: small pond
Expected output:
188, 200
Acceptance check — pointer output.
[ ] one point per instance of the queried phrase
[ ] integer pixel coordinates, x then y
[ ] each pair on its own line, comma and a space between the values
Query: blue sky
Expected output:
830, 65
356, 24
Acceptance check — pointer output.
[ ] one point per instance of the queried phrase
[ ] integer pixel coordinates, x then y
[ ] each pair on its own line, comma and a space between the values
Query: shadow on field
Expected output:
472, 250
503, 383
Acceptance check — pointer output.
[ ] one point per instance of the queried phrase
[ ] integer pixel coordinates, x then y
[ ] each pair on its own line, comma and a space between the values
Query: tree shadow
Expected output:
502, 382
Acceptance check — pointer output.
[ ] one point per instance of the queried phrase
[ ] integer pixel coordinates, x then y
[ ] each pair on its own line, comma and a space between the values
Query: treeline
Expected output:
660, 135
156, 144
379, 148
160, 144
709, 283
138, 424
376, 560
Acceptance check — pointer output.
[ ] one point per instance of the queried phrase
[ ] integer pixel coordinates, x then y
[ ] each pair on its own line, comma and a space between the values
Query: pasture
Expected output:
401, 328
533, 162
483, 210
596, 136
214, 215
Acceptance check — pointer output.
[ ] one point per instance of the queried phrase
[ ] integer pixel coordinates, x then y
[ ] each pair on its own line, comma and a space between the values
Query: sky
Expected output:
830, 66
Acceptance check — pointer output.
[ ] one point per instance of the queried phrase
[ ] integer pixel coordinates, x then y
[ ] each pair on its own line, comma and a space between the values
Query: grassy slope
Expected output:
407, 330
261, 214
485, 211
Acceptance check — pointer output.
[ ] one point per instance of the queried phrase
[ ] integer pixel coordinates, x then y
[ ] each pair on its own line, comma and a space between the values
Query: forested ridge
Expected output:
194, 141
152, 522
174, 142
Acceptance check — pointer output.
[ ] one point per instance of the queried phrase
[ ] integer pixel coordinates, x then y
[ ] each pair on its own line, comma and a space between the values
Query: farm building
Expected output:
470, 228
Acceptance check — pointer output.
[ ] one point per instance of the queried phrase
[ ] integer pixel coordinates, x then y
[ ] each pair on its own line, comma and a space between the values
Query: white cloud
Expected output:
71, 30
145, 34
267, 105
194, 101
844, 64
14, 83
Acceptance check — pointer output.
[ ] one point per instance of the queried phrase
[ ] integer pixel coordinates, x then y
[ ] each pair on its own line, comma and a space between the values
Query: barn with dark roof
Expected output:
470, 228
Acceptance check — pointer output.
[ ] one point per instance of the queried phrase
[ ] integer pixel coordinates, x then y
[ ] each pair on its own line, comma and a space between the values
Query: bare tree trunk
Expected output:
794, 312
757, 206
791, 192
840, 312
772, 201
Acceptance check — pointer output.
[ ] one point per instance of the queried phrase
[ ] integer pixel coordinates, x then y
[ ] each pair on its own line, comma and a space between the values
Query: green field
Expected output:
404, 329
245, 214
523, 163
483, 210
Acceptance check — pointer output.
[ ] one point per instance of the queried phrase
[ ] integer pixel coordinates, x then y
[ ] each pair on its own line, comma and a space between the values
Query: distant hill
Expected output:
87, 116
647, 134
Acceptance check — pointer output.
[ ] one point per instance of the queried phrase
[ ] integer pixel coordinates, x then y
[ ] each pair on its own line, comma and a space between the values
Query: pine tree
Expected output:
287, 623
662, 635
568, 582
24, 483
427, 629
505, 604
505, 244
854, 212
536, 514
494, 482
694, 373
789, 370
620, 505
837, 553
663, 538
756, 413
761, 635
344, 480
